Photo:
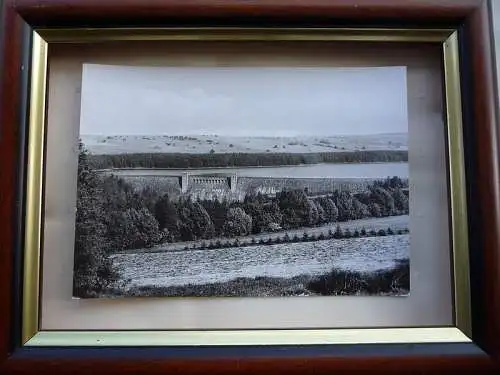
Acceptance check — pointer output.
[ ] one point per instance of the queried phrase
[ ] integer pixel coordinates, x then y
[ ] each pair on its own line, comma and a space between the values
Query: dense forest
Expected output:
112, 216
214, 160
188, 220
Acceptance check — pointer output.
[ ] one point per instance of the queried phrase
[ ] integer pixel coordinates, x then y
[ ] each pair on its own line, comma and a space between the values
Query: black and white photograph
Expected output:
242, 182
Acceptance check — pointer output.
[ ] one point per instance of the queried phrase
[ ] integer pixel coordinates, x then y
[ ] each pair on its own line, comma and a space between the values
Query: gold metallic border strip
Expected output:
33, 227
92, 35
33, 337
457, 189
250, 337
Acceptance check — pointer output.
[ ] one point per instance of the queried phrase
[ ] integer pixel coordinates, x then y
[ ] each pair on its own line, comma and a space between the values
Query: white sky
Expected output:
243, 101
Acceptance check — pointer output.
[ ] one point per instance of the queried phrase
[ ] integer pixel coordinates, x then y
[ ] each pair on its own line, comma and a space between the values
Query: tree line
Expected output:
220, 160
141, 219
337, 234
112, 216
187, 220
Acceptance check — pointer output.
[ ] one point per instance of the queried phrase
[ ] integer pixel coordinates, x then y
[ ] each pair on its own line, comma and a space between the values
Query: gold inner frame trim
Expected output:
33, 336
458, 198
250, 337
34, 189
91, 35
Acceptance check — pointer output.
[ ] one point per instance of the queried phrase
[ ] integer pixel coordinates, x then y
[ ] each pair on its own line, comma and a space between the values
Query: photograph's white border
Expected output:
430, 300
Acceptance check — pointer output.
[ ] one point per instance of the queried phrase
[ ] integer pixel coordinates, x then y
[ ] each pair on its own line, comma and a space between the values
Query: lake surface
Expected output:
368, 170
366, 254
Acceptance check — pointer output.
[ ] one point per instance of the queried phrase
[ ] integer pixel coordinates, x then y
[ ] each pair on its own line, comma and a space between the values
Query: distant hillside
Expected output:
204, 144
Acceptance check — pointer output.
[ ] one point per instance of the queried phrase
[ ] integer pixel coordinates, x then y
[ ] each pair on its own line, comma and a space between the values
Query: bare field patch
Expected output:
198, 267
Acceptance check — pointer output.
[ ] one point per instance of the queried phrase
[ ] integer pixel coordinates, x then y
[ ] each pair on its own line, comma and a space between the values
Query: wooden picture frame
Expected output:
462, 27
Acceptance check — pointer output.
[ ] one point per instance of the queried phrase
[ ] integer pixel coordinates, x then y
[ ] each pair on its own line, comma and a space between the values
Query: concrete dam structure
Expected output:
232, 187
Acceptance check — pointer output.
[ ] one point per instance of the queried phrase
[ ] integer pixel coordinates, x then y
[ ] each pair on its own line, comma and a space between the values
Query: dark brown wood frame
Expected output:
471, 17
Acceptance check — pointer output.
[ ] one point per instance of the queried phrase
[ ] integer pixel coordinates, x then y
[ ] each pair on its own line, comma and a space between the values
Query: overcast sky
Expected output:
243, 101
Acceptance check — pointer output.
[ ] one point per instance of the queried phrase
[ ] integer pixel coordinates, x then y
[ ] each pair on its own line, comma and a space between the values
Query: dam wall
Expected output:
236, 188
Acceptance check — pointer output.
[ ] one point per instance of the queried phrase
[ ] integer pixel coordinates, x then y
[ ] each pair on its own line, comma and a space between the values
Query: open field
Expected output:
118, 144
198, 267
389, 282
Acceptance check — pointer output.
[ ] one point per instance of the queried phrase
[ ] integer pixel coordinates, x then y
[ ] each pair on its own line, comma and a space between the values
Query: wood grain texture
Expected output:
50, 12
483, 119
10, 73
417, 365
487, 139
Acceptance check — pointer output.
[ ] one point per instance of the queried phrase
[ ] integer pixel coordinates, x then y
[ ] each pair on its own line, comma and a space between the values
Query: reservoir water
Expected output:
354, 170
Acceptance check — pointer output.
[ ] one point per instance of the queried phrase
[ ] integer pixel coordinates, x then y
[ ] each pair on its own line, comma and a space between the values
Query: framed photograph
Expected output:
230, 188
196, 189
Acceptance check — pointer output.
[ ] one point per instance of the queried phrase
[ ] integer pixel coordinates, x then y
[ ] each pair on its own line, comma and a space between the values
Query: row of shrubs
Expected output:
306, 237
